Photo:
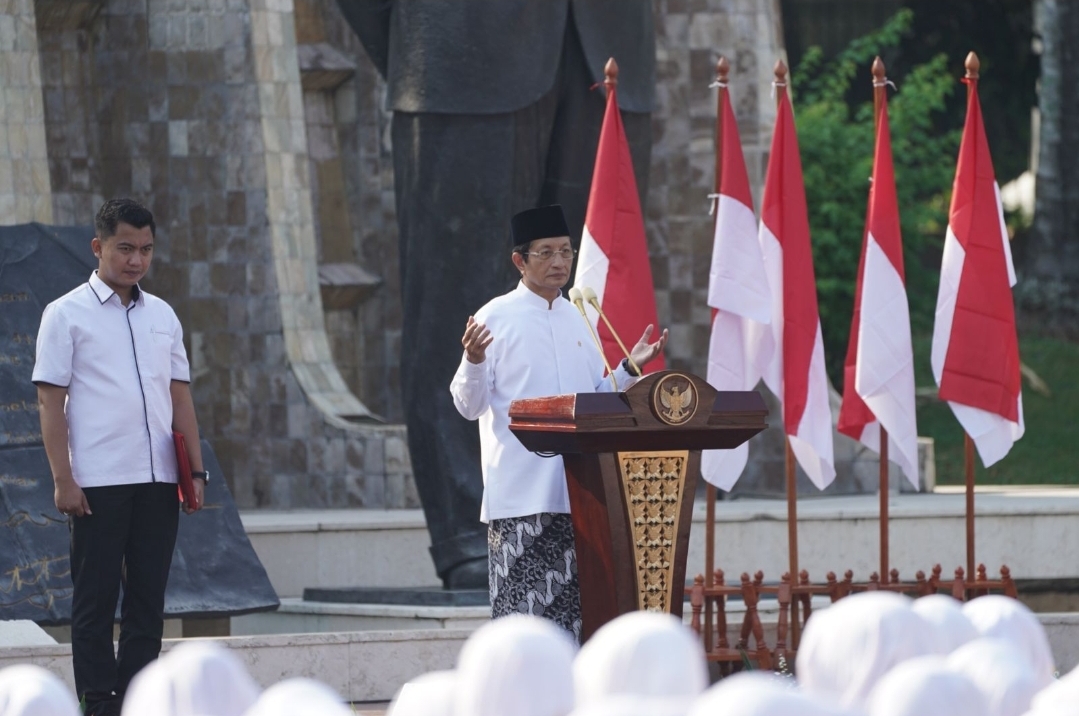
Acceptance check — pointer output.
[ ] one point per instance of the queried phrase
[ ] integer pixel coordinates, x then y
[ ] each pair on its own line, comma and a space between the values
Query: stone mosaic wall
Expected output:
25, 191
329, 79
367, 168
196, 107
690, 37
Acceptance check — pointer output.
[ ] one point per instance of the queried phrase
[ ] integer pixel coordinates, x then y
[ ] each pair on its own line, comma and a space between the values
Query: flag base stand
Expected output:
749, 648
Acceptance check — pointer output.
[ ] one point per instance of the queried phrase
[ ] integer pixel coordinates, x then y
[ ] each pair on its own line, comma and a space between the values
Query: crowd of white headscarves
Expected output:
198, 678
871, 654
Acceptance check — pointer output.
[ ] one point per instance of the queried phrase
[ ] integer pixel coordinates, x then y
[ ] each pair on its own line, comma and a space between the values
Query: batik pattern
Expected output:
533, 569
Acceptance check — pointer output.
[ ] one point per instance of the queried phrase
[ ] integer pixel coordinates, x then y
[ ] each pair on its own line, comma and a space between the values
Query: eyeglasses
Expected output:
546, 255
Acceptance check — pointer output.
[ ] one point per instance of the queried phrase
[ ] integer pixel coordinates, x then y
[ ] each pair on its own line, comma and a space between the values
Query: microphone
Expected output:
577, 297
589, 295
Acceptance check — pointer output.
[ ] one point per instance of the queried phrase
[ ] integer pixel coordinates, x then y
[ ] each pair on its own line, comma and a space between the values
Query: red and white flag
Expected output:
878, 382
975, 348
613, 260
738, 294
791, 348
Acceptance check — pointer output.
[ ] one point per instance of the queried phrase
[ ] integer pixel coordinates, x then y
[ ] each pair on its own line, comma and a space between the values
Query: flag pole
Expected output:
792, 538
973, 65
791, 483
968, 466
880, 87
722, 70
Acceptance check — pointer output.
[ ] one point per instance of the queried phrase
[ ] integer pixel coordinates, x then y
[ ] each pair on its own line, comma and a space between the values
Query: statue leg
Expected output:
575, 137
458, 180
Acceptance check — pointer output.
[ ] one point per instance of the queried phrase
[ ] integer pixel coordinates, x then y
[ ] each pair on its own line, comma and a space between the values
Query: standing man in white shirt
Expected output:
526, 344
112, 378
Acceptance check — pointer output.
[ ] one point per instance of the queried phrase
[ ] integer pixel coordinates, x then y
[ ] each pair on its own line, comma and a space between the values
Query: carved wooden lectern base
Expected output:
632, 461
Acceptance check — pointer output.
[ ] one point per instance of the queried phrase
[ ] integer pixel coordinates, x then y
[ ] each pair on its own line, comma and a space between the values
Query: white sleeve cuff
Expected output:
474, 370
624, 377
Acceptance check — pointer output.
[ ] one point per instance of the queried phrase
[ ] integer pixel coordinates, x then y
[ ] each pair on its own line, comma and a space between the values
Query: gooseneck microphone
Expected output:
589, 295
577, 297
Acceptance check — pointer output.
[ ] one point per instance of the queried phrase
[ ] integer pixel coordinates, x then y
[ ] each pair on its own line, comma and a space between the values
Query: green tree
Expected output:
837, 138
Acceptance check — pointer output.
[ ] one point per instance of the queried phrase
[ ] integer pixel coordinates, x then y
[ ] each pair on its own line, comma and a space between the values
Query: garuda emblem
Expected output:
674, 400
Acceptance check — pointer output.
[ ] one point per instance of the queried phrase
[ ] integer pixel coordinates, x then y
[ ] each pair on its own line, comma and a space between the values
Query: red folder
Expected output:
185, 484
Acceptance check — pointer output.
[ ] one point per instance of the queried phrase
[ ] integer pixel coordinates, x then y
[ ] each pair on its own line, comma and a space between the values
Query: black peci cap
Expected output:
545, 222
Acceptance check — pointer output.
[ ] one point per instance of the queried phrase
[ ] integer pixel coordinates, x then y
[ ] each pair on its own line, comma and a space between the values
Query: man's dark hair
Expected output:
522, 249
128, 211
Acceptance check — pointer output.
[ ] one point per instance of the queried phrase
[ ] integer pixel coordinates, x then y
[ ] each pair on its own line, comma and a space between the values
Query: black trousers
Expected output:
127, 540
458, 181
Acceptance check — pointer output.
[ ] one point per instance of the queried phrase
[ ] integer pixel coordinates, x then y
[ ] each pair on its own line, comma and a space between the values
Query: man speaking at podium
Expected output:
529, 343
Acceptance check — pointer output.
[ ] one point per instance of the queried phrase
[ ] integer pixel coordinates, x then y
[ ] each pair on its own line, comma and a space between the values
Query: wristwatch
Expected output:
205, 476
629, 368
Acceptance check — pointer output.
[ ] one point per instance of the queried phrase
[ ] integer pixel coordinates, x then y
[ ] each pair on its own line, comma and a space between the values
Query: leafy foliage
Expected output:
837, 141
1048, 452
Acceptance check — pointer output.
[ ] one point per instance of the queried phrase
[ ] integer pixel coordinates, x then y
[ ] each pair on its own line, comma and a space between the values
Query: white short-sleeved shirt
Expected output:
539, 349
117, 363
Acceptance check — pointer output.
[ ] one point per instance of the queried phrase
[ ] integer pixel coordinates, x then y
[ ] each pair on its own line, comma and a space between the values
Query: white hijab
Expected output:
759, 694
640, 654
428, 695
28, 690
951, 628
1005, 618
299, 697
626, 705
1061, 696
516, 666
925, 686
197, 678
849, 646
1002, 675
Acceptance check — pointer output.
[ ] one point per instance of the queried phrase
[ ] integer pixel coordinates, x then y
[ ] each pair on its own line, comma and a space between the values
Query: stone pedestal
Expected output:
23, 632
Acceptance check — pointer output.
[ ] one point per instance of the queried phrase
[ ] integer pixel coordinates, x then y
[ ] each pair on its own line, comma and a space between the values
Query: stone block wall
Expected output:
25, 190
691, 35
196, 107
362, 135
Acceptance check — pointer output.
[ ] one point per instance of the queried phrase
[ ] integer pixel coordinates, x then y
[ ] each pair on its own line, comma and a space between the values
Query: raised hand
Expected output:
476, 340
644, 352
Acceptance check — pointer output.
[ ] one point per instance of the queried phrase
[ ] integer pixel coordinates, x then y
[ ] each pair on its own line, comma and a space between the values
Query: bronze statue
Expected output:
494, 112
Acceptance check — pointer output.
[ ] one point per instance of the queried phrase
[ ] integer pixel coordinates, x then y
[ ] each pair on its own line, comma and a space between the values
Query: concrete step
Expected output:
1035, 531
296, 616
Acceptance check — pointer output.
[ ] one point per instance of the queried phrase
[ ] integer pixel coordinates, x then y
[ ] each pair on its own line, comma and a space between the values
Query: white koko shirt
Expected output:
538, 349
117, 363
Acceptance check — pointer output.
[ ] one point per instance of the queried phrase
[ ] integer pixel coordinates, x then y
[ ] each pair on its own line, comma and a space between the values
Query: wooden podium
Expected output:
632, 461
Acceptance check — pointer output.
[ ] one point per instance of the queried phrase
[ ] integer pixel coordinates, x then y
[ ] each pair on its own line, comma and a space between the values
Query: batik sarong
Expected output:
533, 569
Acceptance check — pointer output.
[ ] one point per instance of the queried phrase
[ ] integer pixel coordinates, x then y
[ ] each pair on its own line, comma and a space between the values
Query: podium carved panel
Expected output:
654, 483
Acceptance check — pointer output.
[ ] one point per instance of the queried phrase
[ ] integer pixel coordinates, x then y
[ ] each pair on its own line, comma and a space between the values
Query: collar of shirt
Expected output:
534, 300
104, 293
